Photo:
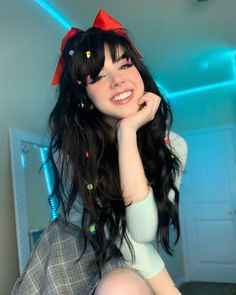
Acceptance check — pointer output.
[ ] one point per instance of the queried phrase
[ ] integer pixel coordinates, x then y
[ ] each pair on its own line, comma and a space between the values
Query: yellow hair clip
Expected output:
88, 54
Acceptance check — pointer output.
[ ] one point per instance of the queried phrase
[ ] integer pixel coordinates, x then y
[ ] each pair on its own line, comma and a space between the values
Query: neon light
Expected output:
51, 11
162, 90
201, 89
234, 63
52, 200
23, 160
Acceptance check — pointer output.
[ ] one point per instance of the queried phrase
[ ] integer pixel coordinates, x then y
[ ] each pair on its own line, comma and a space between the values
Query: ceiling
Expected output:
186, 44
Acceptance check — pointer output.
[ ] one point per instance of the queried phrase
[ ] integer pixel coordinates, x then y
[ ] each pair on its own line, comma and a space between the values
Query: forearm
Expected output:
133, 181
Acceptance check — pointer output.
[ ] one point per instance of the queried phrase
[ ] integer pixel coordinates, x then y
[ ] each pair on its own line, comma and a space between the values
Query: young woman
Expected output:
117, 168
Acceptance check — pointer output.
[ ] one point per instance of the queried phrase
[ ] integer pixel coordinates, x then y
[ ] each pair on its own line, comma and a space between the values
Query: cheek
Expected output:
96, 89
138, 79
141, 84
95, 97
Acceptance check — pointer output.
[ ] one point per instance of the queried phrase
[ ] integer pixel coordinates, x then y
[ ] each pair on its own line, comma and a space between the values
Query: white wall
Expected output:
29, 39
207, 109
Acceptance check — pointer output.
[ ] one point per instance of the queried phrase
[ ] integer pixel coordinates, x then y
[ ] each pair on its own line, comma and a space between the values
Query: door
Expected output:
208, 206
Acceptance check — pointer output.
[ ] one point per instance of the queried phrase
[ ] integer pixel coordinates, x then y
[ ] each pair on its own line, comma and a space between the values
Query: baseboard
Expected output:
180, 282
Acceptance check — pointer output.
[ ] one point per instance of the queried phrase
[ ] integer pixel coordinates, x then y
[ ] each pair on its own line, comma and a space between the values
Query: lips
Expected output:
122, 98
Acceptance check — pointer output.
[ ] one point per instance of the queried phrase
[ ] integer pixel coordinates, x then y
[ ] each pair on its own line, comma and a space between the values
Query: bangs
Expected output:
95, 43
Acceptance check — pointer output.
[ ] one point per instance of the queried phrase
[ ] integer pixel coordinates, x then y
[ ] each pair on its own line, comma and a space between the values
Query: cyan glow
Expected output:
201, 89
53, 202
51, 11
23, 160
230, 55
234, 63
204, 65
162, 90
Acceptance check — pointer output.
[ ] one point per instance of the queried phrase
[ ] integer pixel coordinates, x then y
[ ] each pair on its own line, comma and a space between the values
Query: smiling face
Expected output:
117, 88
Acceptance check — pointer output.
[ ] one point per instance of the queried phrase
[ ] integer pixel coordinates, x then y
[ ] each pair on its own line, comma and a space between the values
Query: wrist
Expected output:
126, 132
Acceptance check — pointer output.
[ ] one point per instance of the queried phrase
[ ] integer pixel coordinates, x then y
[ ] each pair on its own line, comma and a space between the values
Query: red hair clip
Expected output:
166, 140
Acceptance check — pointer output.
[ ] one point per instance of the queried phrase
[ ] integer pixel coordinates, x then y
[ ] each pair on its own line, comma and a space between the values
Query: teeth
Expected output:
122, 95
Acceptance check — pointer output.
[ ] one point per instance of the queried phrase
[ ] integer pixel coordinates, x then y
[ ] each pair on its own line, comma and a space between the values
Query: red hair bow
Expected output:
102, 21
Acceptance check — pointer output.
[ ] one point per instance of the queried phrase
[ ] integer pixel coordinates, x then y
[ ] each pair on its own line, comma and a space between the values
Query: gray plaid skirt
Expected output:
54, 266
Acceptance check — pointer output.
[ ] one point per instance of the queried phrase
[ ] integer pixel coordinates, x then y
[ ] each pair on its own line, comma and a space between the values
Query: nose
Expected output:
116, 79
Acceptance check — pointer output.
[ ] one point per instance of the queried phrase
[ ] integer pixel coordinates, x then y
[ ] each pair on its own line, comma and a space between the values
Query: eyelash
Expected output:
127, 65
99, 78
96, 79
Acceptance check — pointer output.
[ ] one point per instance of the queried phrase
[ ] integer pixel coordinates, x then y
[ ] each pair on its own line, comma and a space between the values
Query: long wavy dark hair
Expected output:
86, 161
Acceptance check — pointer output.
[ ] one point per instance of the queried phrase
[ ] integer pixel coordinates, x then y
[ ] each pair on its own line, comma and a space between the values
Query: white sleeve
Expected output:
142, 219
180, 148
142, 216
147, 260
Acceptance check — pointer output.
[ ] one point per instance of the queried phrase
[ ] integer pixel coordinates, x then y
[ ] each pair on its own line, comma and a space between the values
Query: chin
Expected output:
127, 114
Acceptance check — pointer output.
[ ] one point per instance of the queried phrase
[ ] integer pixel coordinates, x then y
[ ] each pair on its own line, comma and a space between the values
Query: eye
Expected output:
96, 79
126, 66
99, 78
126, 63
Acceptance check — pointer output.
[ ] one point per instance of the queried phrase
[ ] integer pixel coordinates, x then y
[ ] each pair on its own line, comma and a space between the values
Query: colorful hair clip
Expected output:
89, 187
87, 154
167, 141
71, 52
92, 229
79, 82
88, 54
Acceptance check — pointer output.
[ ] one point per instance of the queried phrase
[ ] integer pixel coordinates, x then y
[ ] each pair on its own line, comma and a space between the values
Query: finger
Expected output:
152, 105
150, 102
149, 97
144, 98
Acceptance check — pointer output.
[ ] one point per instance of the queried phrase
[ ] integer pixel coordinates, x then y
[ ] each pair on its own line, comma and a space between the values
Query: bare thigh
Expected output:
122, 281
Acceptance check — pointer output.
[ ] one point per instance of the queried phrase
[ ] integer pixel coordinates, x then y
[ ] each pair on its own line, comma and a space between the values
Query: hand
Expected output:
148, 105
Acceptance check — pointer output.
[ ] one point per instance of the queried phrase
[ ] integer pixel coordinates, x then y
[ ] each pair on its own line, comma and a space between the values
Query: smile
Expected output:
122, 97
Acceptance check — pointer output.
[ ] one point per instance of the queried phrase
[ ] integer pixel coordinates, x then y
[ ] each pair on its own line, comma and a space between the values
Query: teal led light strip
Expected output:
234, 63
53, 13
200, 89
52, 200
23, 160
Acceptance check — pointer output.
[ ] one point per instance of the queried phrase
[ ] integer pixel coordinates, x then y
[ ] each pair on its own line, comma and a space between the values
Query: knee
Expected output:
122, 282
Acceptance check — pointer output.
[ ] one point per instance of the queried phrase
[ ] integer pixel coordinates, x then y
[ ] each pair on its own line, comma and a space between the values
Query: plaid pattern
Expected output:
53, 267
